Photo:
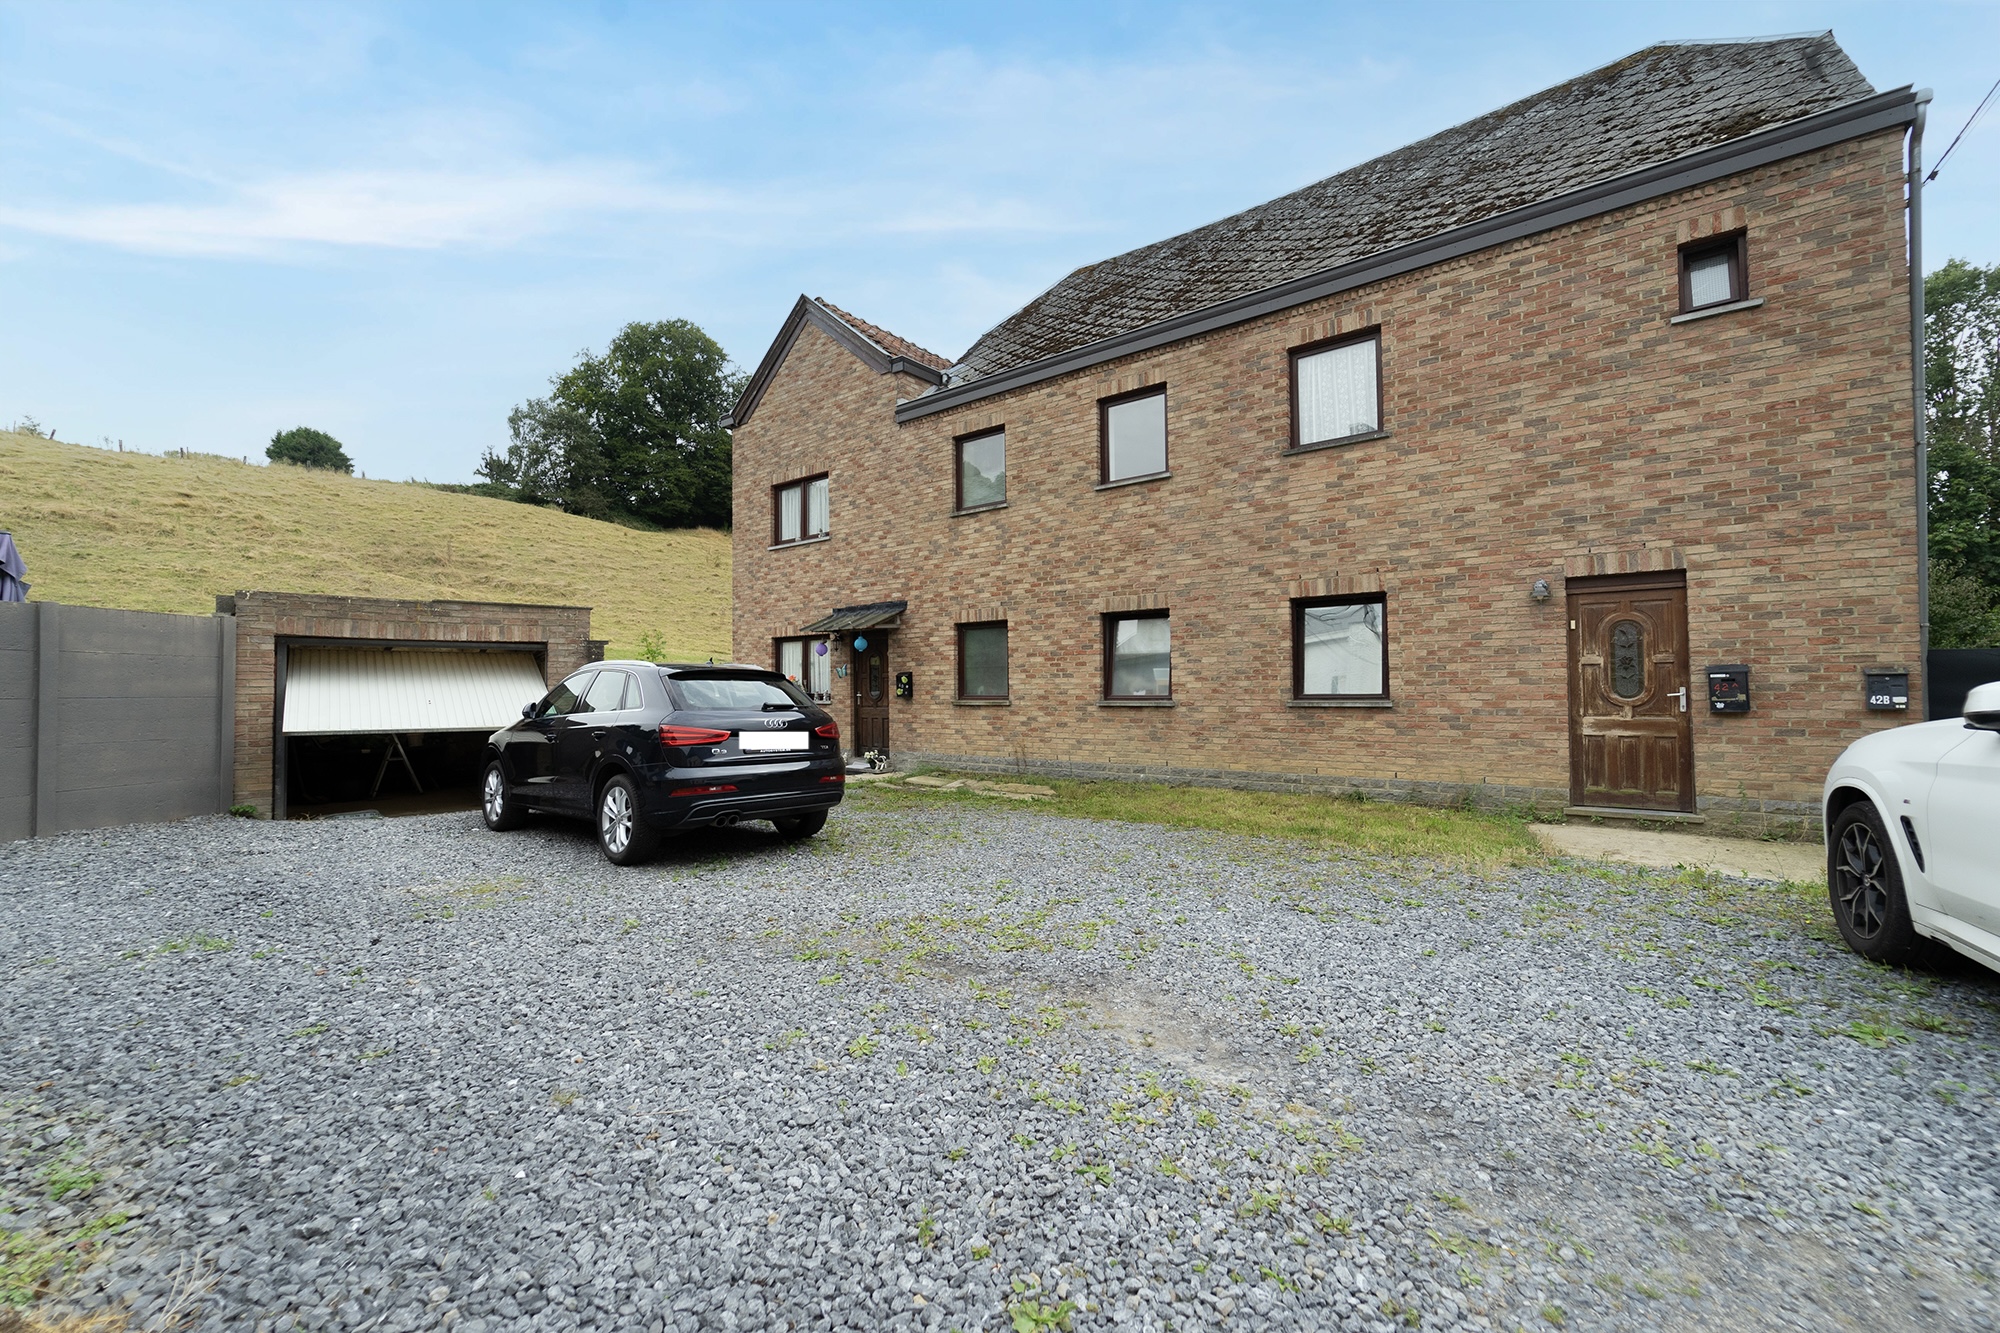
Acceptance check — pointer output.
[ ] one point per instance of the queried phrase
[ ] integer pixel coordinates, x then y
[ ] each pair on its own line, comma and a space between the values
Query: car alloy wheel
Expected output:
623, 833
501, 810
614, 820
1864, 897
1864, 884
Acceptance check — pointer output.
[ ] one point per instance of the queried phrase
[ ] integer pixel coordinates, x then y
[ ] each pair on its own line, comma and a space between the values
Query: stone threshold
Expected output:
1640, 816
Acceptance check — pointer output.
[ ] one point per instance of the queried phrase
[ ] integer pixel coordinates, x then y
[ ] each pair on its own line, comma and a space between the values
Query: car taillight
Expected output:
681, 736
830, 730
834, 777
713, 790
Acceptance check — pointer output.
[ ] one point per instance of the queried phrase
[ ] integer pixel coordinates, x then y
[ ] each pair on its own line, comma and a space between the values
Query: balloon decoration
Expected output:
820, 648
859, 643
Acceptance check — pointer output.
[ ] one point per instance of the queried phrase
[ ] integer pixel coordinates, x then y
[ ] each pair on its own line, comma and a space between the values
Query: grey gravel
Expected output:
955, 1066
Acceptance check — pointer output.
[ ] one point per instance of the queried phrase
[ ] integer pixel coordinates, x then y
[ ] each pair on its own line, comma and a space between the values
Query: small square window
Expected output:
1340, 648
1138, 656
1133, 429
982, 660
982, 470
1714, 273
1336, 390
800, 511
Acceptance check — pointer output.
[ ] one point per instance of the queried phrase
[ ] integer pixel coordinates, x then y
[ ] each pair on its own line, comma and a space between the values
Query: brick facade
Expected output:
560, 634
1543, 419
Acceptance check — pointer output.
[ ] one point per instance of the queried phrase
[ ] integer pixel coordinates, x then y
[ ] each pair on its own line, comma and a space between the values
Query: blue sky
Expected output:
396, 221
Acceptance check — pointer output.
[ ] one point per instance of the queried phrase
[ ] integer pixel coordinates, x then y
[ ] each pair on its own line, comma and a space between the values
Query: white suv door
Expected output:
1963, 821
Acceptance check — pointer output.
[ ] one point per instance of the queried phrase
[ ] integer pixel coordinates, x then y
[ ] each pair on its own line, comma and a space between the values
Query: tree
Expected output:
635, 434
1962, 403
309, 448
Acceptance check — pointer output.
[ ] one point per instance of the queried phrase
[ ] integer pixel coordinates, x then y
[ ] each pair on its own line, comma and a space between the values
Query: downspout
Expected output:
1917, 395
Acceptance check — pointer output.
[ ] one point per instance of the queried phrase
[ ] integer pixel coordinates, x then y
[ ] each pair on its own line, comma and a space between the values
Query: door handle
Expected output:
599, 734
1682, 693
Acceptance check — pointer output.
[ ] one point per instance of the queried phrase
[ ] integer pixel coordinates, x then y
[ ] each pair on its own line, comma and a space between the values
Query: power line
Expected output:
1962, 129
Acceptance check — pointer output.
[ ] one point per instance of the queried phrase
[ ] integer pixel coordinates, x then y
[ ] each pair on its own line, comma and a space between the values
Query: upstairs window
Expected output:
1340, 648
1138, 656
1133, 431
982, 660
1336, 390
1714, 272
799, 511
982, 470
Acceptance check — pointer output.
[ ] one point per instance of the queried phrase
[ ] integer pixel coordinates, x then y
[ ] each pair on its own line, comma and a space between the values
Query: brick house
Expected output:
1566, 456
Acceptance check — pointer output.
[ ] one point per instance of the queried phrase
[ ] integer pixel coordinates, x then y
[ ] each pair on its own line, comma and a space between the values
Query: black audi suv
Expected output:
643, 750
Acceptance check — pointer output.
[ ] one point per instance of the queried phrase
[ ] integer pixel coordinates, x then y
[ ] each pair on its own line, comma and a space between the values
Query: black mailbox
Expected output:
906, 685
1729, 688
1887, 691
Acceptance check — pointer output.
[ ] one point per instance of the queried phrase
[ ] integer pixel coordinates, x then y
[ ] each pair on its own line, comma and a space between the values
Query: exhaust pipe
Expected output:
727, 819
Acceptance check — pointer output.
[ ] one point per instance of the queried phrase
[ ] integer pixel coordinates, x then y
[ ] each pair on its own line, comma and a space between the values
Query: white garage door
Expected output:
372, 691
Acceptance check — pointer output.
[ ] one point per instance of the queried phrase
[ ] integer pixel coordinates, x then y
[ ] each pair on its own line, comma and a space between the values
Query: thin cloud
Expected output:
379, 209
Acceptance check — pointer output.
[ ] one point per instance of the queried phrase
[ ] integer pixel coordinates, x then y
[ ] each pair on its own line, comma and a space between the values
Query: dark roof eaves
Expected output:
807, 310
1806, 134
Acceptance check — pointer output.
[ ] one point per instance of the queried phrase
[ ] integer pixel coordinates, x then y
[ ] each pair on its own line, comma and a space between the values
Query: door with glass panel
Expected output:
1630, 733
872, 689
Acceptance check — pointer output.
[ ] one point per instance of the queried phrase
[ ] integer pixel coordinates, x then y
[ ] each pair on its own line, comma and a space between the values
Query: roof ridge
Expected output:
1656, 103
890, 343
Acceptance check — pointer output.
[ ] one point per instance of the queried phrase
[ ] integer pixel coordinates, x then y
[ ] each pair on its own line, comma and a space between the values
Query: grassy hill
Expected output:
151, 533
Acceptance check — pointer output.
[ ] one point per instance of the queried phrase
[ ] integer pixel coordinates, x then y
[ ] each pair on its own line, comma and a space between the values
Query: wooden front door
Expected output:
872, 689
1630, 734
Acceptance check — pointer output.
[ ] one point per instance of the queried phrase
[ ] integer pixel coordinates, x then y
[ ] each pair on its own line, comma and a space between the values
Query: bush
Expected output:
309, 448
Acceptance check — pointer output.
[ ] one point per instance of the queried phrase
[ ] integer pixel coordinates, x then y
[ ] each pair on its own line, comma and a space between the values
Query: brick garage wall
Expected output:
561, 633
1545, 420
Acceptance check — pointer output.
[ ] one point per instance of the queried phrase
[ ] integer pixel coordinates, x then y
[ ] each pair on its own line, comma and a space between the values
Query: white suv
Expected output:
1913, 836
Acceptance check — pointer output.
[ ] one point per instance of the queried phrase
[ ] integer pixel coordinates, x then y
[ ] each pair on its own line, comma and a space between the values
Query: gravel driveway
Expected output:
968, 1068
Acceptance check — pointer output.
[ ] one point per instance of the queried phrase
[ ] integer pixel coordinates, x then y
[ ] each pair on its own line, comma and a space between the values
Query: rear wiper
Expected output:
781, 708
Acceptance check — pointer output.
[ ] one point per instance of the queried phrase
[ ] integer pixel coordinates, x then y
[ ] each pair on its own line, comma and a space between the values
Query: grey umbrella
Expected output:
12, 571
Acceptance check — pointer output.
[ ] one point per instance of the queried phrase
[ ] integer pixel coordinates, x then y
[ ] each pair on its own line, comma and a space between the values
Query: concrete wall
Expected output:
112, 717
1543, 418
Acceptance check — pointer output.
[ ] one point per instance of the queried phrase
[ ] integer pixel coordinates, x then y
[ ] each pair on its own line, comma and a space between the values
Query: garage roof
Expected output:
373, 691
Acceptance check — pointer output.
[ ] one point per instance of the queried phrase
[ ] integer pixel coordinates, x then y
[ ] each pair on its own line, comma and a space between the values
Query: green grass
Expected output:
1381, 827
142, 532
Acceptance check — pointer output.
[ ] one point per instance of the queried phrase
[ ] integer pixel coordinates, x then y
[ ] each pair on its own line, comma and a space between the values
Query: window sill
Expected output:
982, 703
1135, 703
1340, 703
978, 509
803, 541
1342, 442
1132, 481
1730, 307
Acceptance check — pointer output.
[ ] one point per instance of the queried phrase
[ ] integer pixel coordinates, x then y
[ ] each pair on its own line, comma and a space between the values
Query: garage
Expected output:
400, 729
347, 704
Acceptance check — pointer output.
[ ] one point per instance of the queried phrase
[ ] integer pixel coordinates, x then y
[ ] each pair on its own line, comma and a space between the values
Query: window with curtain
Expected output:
982, 660
1336, 390
800, 663
1138, 656
1340, 648
800, 511
1134, 434
1713, 272
982, 470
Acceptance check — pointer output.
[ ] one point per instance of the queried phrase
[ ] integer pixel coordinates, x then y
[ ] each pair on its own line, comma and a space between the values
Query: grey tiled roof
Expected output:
1652, 106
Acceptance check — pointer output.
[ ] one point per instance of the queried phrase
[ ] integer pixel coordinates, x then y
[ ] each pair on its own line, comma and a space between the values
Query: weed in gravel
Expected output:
311, 1030
66, 1175
862, 1047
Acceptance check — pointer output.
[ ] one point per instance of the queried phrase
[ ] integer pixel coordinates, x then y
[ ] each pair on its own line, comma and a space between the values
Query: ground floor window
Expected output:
982, 660
1138, 656
806, 663
1340, 647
